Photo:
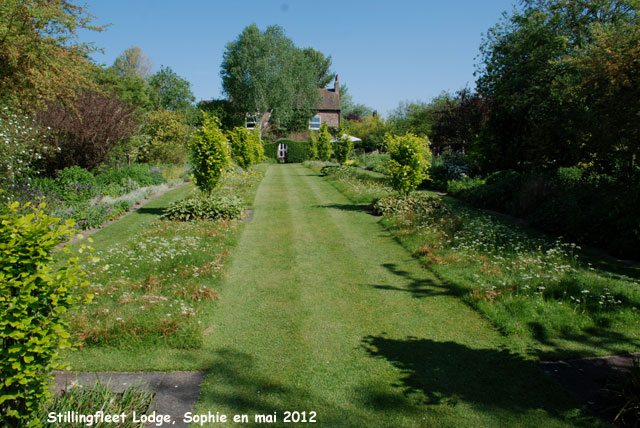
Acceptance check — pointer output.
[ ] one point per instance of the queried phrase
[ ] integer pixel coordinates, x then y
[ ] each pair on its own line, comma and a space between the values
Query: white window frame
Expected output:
250, 121
311, 123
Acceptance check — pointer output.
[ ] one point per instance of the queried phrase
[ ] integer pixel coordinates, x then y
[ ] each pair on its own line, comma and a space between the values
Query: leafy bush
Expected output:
87, 131
419, 204
465, 188
376, 162
88, 216
118, 208
410, 161
128, 178
324, 143
592, 209
313, 146
168, 134
208, 207
243, 145
76, 184
20, 146
342, 148
33, 298
209, 154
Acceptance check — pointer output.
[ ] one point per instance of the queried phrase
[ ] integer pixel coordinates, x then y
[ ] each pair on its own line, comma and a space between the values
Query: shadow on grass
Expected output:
235, 382
348, 207
611, 342
449, 373
416, 286
154, 211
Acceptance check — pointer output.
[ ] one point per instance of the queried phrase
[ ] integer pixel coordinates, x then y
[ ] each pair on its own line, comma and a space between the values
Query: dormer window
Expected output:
315, 122
250, 121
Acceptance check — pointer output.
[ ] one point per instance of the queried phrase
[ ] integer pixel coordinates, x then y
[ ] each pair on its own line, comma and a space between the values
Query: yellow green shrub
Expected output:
33, 299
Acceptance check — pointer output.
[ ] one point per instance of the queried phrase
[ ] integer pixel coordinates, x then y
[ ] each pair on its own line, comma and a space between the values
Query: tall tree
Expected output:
545, 110
133, 62
321, 66
41, 60
170, 91
415, 117
264, 72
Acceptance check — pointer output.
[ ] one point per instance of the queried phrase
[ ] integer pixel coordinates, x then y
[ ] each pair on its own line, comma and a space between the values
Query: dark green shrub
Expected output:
76, 184
377, 162
208, 207
270, 150
33, 298
342, 148
419, 204
89, 216
125, 177
112, 189
117, 209
298, 151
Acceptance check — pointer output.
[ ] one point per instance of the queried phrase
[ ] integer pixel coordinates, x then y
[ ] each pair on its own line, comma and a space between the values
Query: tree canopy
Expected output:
133, 62
41, 60
264, 72
563, 88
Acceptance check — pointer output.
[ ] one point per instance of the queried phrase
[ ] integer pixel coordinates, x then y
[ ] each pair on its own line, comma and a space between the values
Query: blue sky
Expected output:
385, 51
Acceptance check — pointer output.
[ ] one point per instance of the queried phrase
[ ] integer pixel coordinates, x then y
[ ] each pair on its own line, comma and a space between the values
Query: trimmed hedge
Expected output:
298, 150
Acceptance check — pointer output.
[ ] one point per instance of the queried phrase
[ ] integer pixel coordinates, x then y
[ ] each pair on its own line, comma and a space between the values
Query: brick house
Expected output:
328, 112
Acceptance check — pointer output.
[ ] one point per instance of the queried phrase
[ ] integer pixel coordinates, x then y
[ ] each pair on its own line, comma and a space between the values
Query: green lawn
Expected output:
153, 283
552, 299
319, 309
319, 312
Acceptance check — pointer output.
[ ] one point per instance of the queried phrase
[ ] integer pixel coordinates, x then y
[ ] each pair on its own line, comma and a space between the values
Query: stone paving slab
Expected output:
589, 379
175, 393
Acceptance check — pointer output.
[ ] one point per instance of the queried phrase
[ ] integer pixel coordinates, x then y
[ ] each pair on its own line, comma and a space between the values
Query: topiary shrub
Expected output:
324, 143
208, 207
257, 146
342, 148
242, 150
33, 298
209, 154
410, 161
313, 146
297, 151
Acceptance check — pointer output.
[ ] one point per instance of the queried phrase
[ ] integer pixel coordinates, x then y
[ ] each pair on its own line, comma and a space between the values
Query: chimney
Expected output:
336, 86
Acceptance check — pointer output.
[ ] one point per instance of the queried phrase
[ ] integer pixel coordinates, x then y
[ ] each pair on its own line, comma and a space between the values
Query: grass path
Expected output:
323, 311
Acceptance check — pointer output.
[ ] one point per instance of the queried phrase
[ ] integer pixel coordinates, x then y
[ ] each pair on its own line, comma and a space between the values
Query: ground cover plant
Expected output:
151, 288
99, 397
552, 299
